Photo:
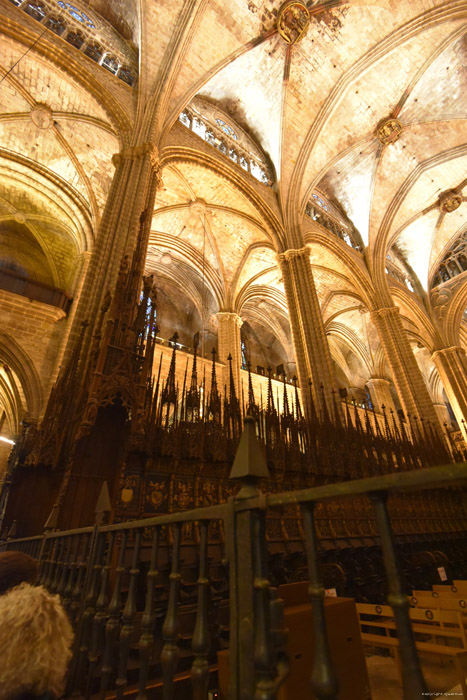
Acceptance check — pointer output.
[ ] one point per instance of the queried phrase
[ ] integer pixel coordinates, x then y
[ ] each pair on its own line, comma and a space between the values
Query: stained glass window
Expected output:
244, 358
77, 14
320, 201
226, 129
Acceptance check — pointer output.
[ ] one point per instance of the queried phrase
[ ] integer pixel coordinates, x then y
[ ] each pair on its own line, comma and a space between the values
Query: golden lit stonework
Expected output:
41, 116
389, 131
450, 201
293, 21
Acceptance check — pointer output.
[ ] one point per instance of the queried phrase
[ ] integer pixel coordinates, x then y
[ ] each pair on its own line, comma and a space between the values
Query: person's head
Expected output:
35, 639
16, 568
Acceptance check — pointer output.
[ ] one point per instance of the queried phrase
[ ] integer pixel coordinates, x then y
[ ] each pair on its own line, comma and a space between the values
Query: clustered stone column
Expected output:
451, 364
380, 394
133, 190
443, 414
229, 342
408, 381
311, 347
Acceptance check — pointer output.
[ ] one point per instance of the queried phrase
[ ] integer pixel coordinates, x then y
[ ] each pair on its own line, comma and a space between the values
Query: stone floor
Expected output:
385, 684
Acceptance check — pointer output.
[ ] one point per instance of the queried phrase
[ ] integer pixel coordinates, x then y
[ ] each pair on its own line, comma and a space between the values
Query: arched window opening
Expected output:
227, 129
319, 201
111, 63
453, 263
75, 26
76, 39
244, 355
94, 51
328, 216
396, 268
56, 25
151, 330
77, 14
35, 10
185, 119
218, 133
199, 128
126, 75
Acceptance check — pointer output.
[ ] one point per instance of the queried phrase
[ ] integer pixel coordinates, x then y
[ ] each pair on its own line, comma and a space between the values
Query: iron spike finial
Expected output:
52, 521
103, 504
249, 464
12, 531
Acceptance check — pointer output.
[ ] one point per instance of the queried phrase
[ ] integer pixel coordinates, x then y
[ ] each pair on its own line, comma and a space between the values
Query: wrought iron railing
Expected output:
139, 592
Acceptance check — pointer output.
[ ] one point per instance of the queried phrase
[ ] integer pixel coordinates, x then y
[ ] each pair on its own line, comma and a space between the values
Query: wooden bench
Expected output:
453, 601
449, 591
447, 624
425, 601
444, 627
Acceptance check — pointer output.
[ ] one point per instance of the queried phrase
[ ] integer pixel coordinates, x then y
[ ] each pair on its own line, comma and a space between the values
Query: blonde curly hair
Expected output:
35, 639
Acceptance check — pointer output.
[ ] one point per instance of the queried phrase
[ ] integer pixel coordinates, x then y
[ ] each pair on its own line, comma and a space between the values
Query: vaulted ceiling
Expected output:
312, 108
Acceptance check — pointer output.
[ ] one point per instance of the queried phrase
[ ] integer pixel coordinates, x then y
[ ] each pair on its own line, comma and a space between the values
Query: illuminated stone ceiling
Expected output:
313, 109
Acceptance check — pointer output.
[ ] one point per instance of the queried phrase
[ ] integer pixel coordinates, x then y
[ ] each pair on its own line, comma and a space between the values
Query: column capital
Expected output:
379, 380
453, 350
142, 150
293, 253
136, 152
389, 311
230, 316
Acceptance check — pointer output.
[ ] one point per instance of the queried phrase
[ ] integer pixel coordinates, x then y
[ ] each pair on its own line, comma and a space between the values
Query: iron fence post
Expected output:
88, 594
412, 679
241, 527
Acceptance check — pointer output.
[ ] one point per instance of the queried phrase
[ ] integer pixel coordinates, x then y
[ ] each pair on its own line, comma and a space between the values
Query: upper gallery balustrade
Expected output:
87, 33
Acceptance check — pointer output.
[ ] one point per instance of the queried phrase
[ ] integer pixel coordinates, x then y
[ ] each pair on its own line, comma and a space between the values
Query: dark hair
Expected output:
16, 568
